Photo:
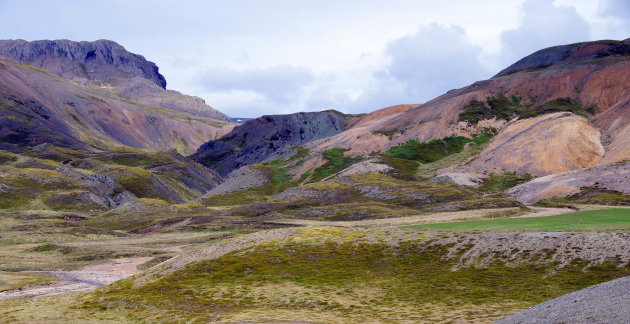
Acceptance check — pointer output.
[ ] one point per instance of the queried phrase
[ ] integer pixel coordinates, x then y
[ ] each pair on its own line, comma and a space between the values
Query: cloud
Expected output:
543, 25
619, 9
420, 66
279, 84
434, 60
617, 16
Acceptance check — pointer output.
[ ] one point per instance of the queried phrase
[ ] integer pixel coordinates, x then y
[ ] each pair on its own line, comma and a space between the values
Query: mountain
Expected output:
107, 67
557, 110
112, 98
587, 80
268, 136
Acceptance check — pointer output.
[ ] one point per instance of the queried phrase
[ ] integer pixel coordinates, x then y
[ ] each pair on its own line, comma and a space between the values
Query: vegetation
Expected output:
505, 108
499, 107
400, 157
278, 177
386, 132
336, 161
589, 195
18, 280
342, 275
499, 182
592, 220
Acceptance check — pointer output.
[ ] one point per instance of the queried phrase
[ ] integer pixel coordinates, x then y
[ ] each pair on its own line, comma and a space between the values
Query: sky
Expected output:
248, 58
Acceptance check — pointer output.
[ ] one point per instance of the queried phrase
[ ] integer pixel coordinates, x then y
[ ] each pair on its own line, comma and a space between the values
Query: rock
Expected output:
542, 145
603, 303
266, 137
615, 176
366, 166
101, 61
460, 179
239, 179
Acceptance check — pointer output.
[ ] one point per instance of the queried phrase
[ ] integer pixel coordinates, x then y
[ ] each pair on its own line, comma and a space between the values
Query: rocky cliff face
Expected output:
84, 62
107, 67
268, 136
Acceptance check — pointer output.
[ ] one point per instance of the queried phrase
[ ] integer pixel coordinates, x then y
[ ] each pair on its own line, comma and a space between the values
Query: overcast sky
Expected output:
255, 57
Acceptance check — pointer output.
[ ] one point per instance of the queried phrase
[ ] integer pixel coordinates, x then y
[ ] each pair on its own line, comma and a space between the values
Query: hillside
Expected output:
108, 68
267, 137
38, 106
560, 109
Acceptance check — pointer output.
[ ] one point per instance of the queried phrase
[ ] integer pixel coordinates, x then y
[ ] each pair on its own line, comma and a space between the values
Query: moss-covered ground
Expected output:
342, 279
502, 107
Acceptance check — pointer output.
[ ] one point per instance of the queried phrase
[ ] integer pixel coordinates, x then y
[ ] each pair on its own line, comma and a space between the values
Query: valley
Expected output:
124, 202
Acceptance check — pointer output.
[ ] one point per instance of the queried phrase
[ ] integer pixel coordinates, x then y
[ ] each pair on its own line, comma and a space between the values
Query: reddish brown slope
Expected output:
36, 107
592, 74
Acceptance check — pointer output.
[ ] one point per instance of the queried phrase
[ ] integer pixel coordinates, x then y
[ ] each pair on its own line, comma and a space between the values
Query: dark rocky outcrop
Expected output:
268, 136
98, 61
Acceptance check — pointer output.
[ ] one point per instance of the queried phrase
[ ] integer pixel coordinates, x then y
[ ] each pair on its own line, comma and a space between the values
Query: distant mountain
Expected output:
107, 67
101, 61
268, 136
239, 120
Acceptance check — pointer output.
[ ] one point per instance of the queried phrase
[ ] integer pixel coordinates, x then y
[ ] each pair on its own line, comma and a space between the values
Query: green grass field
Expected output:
592, 220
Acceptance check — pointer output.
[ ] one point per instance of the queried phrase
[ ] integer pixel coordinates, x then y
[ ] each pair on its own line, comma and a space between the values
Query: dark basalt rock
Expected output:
268, 136
98, 61
569, 54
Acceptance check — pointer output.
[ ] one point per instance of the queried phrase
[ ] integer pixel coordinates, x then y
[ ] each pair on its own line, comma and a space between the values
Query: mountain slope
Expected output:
40, 107
268, 136
587, 79
109, 68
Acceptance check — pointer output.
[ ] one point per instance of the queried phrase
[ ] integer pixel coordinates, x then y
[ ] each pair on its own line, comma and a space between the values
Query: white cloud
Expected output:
434, 60
543, 25
279, 84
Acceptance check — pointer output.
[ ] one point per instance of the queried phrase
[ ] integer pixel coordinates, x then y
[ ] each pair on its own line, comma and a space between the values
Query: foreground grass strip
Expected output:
343, 277
592, 220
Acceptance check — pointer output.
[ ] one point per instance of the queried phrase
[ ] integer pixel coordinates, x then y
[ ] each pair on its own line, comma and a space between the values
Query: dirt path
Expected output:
543, 211
81, 280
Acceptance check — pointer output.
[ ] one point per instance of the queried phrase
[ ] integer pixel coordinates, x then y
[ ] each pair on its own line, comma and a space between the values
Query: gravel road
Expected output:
608, 302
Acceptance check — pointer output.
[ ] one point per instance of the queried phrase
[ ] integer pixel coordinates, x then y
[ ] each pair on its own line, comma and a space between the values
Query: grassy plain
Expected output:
590, 220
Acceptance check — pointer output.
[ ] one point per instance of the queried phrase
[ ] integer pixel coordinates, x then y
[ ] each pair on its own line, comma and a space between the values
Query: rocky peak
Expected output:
85, 62
569, 54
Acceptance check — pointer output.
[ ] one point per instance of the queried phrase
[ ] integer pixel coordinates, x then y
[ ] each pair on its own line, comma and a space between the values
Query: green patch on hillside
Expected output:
434, 150
591, 220
502, 107
589, 195
499, 182
336, 161
403, 168
357, 281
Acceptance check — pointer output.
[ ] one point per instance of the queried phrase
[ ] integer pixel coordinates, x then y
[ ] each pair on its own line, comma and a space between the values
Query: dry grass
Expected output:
18, 280
54, 310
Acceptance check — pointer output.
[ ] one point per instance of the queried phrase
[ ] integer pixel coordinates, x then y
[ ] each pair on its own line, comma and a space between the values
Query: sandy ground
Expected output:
425, 219
81, 280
